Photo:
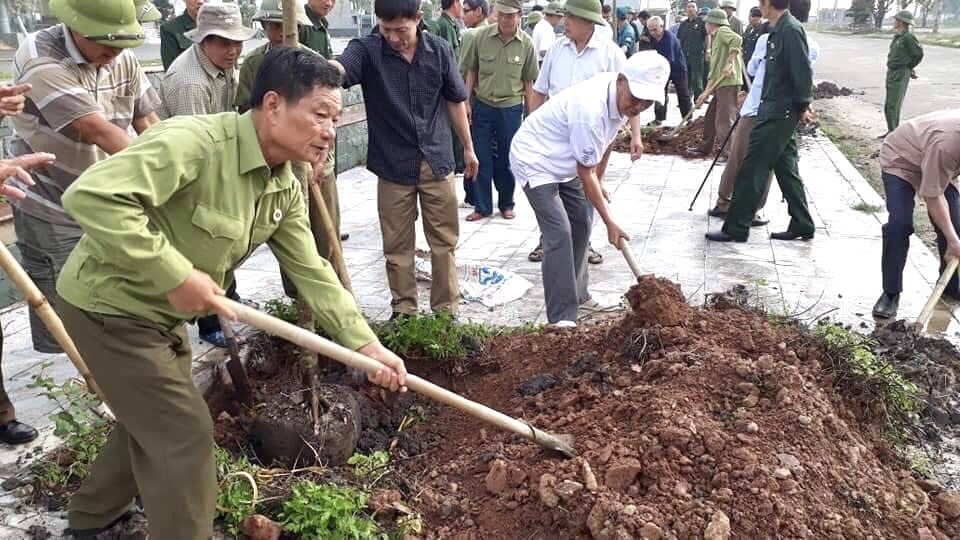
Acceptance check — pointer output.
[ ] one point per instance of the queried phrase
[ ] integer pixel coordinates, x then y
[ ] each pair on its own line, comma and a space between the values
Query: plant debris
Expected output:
827, 90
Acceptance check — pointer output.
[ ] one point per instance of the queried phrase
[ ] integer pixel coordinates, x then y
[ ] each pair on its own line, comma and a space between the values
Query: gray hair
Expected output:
654, 19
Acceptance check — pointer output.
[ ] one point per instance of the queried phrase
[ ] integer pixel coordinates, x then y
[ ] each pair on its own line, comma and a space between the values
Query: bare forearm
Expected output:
536, 101
636, 130
529, 95
110, 138
141, 124
593, 191
602, 166
940, 214
471, 83
458, 117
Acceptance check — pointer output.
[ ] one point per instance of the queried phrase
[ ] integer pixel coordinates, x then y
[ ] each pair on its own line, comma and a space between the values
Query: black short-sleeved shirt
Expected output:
406, 104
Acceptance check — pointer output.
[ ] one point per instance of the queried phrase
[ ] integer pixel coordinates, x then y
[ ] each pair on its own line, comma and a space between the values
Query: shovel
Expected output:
315, 343
927, 310
707, 92
234, 366
631, 260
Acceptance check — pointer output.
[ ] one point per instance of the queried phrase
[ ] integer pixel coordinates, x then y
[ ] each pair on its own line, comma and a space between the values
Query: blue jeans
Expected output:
896, 232
494, 127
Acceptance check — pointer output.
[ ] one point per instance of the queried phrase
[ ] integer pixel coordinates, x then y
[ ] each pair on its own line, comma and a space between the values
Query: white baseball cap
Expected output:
647, 73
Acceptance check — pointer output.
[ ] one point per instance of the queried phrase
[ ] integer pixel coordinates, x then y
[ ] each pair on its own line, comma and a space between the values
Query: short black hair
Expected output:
755, 12
292, 73
445, 4
607, 8
391, 10
800, 9
482, 5
643, 15
536, 8
779, 5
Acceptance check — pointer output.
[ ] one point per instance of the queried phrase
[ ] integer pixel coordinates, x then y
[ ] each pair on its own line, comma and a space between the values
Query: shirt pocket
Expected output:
488, 65
215, 238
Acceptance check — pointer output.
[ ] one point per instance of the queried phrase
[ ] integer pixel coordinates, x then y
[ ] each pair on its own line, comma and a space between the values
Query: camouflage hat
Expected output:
717, 17
554, 8
272, 11
108, 22
146, 11
588, 10
534, 17
904, 17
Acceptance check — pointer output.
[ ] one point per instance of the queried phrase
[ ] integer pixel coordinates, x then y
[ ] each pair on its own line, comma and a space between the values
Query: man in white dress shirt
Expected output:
545, 31
558, 155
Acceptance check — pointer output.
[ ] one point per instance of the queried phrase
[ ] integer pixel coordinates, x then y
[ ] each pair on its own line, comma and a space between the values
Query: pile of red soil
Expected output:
690, 423
690, 136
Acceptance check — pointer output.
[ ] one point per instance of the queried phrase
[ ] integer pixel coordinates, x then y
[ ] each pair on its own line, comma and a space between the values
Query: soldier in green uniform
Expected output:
905, 55
447, 27
172, 39
166, 222
146, 11
692, 34
316, 35
730, 7
785, 102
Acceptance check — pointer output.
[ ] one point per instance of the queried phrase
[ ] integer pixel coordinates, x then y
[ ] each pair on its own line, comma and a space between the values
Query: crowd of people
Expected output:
143, 201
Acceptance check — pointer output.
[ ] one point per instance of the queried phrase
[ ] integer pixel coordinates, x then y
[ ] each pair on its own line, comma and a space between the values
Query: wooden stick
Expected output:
631, 260
938, 289
326, 226
31, 293
370, 366
290, 34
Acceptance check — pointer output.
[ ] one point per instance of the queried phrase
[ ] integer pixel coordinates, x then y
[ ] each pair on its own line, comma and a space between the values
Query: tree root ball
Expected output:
283, 431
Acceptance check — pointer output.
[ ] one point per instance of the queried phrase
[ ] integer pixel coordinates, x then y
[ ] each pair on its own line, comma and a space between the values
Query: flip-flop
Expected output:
476, 216
508, 214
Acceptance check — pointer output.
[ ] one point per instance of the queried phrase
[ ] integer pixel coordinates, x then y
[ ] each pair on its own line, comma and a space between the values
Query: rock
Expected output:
496, 480
781, 473
537, 384
949, 503
11, 483
589, 479
681, 489
804, 420
650, 531
568, 488
629, 510
789, 461
597, 519
924, 533
383, 501
719, 526
516, 476
929, 485
259, 527
548, 496
605, 454
752, 427
622, 474
751, 400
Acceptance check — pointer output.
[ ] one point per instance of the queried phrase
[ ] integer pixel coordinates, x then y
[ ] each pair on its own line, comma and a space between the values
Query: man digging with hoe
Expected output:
165, 224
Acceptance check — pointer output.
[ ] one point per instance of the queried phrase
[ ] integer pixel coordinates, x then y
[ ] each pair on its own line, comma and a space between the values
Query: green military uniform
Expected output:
317, 34
692, 34
190, 193
905, 55
787, 88
735, 24
501, 67
447, 29
172, 39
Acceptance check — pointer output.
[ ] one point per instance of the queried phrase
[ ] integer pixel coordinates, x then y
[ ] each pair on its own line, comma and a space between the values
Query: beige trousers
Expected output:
720, 116
397, 206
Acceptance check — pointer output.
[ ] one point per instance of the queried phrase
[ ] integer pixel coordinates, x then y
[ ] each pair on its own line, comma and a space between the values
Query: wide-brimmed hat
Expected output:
904, 16
588, 10
647, 73
728, 4
220, 19
508, 6
554, 8
717, 17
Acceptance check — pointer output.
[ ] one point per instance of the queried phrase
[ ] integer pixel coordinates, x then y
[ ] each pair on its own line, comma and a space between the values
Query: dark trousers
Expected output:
680, 83
772, 146
695, 75
900, 197
897, 82
494, 125
211, 323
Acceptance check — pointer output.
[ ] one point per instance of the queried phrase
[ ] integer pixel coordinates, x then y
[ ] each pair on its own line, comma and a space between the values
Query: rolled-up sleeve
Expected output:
453, 89
587, 144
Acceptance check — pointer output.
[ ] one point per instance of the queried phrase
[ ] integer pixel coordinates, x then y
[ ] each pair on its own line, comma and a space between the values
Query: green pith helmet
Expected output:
534, 17
108, 22
588, 10
904, 16
146, 11
272, 11
717, 17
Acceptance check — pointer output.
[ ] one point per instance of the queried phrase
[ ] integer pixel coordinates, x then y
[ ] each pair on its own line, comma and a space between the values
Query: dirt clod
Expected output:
537, 384
496, 479
658, 301
258, 527
718, 528
622, 474
949, 503
827, 89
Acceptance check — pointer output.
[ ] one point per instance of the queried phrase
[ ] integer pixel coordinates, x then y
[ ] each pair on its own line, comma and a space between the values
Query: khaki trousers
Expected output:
397, 206
331, 199
738, 150
720, 116
162, 444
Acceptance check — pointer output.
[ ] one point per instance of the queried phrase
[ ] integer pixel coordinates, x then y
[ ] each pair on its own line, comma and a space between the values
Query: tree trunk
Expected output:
938, 10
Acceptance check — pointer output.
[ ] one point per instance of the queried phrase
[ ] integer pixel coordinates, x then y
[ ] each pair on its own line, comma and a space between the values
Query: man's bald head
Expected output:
655, 27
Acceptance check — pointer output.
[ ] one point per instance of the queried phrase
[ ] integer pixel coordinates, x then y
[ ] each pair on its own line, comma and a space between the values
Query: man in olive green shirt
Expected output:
166, 223
725, 69
730, 7
905, 55
501, 64
172, 38
317, 34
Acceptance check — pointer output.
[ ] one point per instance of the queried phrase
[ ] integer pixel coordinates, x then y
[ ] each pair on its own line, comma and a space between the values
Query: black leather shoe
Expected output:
721, 236
789, 235
759, 222
14, 432
344, 237
886, 306
716, 212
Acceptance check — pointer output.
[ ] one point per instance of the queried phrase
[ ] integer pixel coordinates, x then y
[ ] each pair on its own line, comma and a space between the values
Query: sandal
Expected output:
250, 303
219, 339
593, 257
508, 214
536, 255
476, 216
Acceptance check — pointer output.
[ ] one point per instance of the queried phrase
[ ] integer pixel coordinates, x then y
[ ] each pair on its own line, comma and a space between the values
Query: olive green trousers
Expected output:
162, 445
897, 82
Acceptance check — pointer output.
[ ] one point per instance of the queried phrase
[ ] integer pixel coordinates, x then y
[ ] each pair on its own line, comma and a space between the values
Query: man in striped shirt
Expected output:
87, 92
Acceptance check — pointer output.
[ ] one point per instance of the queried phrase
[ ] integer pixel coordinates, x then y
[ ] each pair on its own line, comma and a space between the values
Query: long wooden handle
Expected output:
31, 293
938, 289
707, 92
315, 343
631, 260
290, 37
326, 223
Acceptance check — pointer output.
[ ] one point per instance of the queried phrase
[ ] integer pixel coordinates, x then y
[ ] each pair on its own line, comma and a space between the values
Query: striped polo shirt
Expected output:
65, 88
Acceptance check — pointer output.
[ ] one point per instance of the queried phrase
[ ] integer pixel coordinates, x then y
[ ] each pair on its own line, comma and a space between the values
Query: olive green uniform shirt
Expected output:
692, 34
502, 68
317, 37
465, 38
735, 24
905, 51
788, 81
725, 41
172, 39
446, 28
194, 192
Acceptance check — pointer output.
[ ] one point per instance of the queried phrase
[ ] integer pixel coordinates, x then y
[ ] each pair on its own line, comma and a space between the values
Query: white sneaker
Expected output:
564, 324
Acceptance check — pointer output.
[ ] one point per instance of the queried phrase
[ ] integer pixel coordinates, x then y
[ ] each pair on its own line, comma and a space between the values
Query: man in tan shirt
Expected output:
921, 157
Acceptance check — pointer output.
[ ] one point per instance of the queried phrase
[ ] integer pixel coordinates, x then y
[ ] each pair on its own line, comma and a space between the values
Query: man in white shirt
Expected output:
740, 138
558, 155
580, 54
545, 33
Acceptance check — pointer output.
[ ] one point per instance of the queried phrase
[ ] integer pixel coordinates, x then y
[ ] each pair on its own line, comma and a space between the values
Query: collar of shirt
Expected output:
211, 70
251, 155
72, 48
315, 18
613, 112
592, 43
423, 47
496, 32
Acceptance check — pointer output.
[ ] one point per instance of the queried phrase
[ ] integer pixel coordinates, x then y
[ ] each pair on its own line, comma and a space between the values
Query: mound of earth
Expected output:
827, 90
690, 423
690, 136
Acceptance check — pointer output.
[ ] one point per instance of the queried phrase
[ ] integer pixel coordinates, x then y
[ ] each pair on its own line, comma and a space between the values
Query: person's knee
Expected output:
897, 228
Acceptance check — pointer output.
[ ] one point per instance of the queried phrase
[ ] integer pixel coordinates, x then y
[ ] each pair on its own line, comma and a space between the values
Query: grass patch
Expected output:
328, 511
867, 377
237, 492
941, 40
867, 208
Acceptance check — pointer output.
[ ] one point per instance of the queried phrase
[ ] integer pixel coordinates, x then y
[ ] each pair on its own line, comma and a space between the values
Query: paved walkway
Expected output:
837, 273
